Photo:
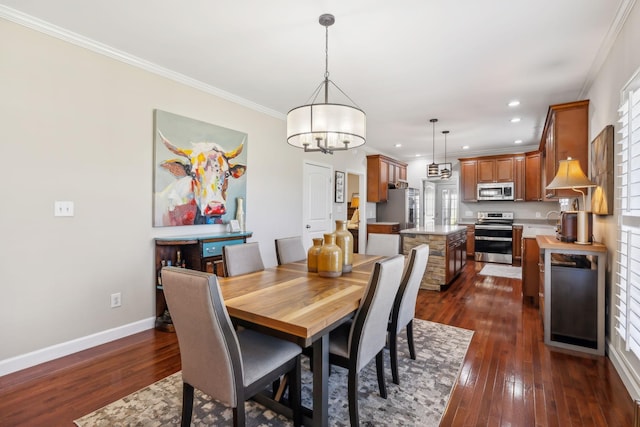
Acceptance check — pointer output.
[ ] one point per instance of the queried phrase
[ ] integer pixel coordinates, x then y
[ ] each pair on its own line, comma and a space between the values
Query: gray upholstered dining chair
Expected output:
290, 249
242, 259
229, 366
354, 344
404, 306
383, 244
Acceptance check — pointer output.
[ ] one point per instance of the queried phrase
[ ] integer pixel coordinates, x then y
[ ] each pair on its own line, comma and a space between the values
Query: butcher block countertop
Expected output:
441, 230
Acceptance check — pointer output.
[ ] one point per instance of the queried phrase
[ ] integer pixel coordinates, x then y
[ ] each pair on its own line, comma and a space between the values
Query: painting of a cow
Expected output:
200, 175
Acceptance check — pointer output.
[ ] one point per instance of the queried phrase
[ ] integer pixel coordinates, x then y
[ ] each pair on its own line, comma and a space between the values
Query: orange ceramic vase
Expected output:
330, 257
312, 255
344, 239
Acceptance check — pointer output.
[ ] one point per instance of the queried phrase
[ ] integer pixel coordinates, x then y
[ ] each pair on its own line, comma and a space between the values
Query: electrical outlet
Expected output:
62, 208
116, 300
538, 215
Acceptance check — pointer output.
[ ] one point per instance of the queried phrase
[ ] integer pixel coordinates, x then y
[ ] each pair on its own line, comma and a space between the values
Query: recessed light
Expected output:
418, 155
465, 147
513, 103
517, 141
515, 120
398, 145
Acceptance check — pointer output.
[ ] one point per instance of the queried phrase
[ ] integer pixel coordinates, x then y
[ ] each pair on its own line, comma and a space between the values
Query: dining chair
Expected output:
354, 344
241, 259
229, 366
290, 249
383, 244
404, 306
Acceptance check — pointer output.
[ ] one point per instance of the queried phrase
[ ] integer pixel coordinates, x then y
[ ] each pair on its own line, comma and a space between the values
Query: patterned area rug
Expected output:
419, 400
502, 271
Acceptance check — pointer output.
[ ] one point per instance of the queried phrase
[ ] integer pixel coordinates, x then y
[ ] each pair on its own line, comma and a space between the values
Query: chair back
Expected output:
242, 259
404, 307
290, 249
383, 244
369, 331
209, 348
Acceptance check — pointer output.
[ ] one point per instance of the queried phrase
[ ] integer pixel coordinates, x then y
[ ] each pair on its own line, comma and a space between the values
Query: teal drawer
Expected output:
215, 248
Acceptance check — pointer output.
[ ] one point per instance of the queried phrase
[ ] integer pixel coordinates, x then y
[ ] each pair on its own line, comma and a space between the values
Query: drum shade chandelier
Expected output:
433, 168
445, 172
326, 127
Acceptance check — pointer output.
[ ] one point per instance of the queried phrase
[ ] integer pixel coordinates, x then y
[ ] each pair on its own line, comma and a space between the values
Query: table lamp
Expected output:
570, 175
355, 203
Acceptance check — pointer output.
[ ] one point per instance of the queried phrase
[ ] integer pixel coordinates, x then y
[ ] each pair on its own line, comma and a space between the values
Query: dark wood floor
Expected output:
509, 376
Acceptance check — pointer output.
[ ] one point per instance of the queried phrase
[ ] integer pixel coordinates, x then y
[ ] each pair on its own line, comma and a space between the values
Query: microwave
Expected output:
495, 191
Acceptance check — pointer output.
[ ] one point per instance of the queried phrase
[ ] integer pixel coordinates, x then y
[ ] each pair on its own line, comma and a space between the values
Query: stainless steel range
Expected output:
494, 237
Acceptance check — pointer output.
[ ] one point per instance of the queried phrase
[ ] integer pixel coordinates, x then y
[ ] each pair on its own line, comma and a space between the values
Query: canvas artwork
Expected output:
602, 172
199, 171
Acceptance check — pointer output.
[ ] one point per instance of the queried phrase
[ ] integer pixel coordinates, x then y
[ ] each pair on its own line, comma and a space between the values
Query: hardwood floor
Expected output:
509, 376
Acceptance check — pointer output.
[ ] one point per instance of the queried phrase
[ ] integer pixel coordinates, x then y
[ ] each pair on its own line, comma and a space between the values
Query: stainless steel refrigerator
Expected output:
402, 205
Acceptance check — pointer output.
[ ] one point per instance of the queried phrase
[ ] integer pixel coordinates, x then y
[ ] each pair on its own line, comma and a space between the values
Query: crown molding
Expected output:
100, 48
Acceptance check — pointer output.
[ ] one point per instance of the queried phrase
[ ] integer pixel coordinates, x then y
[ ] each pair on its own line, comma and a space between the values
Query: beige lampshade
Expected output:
355, 201
570, 175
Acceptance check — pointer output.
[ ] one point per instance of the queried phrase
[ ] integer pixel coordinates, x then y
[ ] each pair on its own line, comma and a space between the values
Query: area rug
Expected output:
502, 271
419, 400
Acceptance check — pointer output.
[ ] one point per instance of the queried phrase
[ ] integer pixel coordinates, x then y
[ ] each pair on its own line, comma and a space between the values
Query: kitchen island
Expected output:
447, 252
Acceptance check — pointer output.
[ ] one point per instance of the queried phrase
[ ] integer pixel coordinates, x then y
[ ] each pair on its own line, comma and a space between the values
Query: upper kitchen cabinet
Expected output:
382, 171
533, 178
469, 180
519, 177
496, 169
565, 134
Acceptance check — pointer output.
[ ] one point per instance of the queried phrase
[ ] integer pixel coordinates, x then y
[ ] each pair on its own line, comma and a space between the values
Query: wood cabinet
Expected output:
203, 253
491, 169
383, 228
530, 270
519, 178
469, 180
565, 134
456, 256
471, 240
382, 171
533, 177
516, 249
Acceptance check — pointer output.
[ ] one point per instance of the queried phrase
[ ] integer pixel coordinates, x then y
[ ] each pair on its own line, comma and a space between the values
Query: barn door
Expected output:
317, 202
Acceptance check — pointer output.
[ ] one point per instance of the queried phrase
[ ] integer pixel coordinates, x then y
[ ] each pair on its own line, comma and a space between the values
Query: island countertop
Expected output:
441, 230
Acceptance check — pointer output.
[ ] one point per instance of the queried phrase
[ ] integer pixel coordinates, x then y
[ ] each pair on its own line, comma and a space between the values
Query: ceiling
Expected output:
459, 61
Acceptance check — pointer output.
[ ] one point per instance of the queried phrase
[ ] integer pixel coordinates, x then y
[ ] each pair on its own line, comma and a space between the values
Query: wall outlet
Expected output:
538, 215
61, 208
116, 300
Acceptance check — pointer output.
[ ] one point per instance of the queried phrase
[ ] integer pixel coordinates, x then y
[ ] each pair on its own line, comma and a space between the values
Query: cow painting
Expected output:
197, 193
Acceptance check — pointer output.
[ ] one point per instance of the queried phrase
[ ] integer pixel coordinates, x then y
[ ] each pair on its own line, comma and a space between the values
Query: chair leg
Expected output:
380, 371
294, 393
412, 350
353, 397
239, 415
393, 353
187, 404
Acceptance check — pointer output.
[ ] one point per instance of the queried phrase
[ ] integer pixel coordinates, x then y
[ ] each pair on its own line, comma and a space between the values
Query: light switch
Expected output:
62, 208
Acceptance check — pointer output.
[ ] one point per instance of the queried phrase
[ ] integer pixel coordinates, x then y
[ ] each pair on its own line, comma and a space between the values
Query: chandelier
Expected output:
432, 169
326, 127
445, 172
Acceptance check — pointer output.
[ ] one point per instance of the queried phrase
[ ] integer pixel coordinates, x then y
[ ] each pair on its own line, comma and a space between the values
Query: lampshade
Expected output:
355, 201
326, 127
569, 175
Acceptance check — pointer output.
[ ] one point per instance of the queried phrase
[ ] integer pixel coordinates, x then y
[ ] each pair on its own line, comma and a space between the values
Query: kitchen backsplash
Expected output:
521, 210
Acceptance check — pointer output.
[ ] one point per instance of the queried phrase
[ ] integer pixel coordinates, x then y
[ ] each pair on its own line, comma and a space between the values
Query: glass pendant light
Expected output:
432, 170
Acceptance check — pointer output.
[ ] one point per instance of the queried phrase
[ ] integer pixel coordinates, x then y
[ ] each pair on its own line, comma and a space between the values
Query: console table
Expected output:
572, 292
199, 252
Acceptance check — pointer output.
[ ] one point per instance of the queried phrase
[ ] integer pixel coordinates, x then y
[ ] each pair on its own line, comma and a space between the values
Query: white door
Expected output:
429, 198
317, 204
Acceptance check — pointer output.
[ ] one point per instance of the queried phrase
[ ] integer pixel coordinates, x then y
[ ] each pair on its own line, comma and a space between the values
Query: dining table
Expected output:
291, 303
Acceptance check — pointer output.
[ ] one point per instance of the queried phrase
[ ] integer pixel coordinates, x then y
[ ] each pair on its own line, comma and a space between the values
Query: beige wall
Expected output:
78, 125
622, 62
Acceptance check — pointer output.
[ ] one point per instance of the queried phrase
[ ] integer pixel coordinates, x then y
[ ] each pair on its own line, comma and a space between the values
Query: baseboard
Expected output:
47, 354
627, 377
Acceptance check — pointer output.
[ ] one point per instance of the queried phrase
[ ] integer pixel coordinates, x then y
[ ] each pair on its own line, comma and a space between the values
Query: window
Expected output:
628, 205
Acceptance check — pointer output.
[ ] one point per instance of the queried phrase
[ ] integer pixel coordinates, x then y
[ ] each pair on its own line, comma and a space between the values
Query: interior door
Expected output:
317, 203
429, 200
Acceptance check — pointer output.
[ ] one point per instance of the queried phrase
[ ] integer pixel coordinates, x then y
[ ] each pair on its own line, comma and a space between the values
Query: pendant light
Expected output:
326, 127
432, 170
445, 173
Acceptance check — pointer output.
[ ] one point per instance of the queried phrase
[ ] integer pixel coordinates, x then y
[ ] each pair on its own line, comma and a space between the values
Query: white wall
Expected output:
78, 125
621, 63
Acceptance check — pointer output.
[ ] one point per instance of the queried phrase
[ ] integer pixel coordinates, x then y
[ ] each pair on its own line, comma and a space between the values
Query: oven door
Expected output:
494, 243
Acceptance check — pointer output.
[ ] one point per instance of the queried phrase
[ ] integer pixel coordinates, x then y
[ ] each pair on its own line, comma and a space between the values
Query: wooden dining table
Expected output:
289, 302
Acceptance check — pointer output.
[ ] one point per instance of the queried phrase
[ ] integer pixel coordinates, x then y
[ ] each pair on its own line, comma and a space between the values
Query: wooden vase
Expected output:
312, 255
330, 257
344, 239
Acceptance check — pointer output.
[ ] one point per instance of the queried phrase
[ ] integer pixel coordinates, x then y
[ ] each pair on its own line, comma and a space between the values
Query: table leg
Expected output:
321, 381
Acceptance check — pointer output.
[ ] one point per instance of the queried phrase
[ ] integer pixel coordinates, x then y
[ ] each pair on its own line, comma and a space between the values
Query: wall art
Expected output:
602, 172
